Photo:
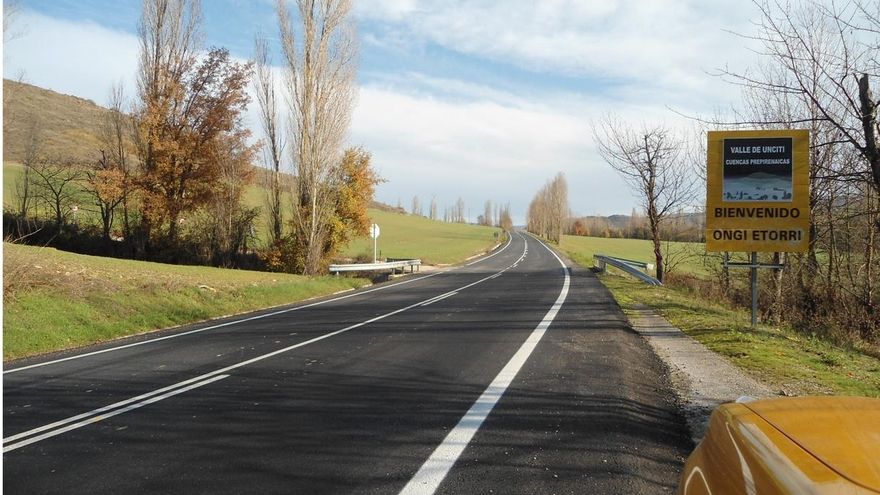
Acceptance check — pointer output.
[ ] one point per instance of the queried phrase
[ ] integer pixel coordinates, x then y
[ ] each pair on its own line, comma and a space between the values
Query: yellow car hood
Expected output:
841, 432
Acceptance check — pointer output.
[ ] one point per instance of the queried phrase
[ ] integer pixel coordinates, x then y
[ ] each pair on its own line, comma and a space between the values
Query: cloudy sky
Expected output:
458, 98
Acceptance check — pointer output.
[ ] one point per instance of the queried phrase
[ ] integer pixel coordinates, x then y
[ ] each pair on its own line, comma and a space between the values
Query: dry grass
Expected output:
70, 125
19, 275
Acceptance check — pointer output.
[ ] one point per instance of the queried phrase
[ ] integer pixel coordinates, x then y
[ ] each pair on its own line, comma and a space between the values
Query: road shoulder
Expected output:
701, 378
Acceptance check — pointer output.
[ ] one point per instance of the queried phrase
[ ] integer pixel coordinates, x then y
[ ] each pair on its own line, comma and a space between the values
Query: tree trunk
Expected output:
655, 238
869, 124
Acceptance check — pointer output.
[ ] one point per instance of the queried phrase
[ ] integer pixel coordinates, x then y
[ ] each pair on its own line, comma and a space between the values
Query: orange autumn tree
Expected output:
185, 133
353, 192
350, 220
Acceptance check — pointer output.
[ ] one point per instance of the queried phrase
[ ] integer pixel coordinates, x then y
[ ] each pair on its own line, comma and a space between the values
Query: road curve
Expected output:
513, 374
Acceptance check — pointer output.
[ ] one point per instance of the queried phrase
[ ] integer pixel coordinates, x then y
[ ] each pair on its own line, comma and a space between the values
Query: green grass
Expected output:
11, 175
581, 249
408, 236
780, 357
403, 236
56, 300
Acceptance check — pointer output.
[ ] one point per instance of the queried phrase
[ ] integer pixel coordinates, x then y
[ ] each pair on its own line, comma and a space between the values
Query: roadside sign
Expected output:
374, 233
758, 191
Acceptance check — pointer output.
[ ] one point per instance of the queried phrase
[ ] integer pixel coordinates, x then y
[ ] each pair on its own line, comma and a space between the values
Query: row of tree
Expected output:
176, 166
682, 226
494, 214
549, 211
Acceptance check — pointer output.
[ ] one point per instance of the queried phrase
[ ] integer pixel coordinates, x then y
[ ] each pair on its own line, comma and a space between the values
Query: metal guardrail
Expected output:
631, 267
373, 267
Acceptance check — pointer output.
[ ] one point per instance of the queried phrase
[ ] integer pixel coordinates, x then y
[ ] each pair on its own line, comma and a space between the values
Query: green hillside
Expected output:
409, 236
55, 300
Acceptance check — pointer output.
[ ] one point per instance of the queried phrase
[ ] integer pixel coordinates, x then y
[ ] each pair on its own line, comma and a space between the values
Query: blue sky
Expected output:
473, 99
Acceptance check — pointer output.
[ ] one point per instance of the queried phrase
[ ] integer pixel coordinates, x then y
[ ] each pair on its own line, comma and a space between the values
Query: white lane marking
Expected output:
244, 320
509, 239
101, 417
213, 327
441, 297
228, 368
434, 470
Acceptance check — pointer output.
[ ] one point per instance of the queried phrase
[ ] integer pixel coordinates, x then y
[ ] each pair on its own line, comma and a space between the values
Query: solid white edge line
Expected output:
434, 470
102, 417
208, 375
244, 320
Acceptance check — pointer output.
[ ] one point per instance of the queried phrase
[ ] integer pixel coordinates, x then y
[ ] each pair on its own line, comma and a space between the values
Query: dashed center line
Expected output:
80, 420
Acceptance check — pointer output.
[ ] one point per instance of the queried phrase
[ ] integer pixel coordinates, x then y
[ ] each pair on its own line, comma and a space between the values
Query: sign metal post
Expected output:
374, 233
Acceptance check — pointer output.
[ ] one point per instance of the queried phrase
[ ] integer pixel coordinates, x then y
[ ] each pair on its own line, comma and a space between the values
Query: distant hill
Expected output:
69, 126
376, 205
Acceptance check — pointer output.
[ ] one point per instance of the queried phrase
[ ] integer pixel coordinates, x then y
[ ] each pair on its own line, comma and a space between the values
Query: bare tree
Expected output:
273, 140
815, 69
654, 163
33, 155
549, 211
321, 69
56, 186
828, 54
505, 221
488, 218
434, 208
111, 183
458, 212
416, 206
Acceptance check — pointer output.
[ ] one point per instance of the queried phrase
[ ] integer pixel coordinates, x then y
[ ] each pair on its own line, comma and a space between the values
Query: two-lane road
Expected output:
514, 374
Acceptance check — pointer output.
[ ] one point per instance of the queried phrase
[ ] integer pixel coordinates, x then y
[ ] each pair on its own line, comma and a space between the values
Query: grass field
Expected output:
12, 175
55, 300
783, 359
686, 256
407, 236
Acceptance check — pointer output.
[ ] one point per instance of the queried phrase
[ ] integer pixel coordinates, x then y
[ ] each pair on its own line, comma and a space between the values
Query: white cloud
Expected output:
394, 10
662, 43
450, 137
78, 58
481, 150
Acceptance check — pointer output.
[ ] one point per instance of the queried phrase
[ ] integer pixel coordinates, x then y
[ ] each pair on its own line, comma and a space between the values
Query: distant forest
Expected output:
684, 227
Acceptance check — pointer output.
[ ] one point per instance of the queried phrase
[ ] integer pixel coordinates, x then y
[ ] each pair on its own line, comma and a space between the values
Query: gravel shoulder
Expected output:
701, 378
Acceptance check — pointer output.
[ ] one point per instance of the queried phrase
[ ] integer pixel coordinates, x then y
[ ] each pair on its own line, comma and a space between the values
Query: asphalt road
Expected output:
513, 374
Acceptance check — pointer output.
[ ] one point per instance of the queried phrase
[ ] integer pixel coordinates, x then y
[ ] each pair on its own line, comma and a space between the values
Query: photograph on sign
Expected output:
758, 169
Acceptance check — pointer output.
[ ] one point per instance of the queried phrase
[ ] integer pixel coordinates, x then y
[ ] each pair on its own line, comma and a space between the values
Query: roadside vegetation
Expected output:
790, 362
681, 257
815, 70
168, 172
55, 300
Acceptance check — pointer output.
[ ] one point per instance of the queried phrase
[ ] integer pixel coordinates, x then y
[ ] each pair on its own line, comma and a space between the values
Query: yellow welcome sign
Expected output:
758, 191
